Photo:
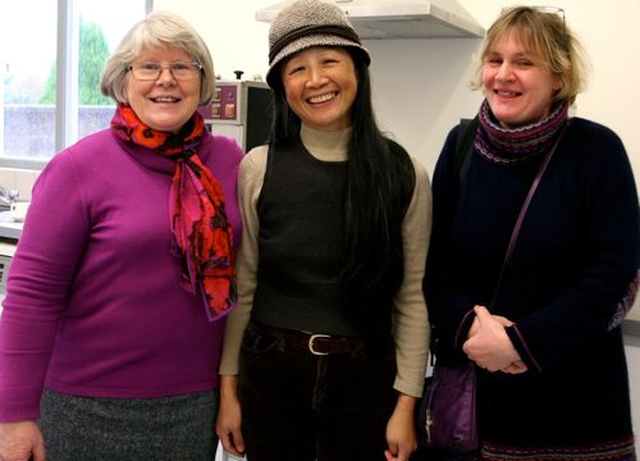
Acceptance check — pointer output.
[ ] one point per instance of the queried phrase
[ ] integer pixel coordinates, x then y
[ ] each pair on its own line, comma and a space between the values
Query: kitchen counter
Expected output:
7, 250
7, 247
11, 221
10, 230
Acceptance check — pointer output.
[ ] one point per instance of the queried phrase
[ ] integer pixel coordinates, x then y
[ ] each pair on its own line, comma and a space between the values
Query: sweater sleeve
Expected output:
50, 246
250, 180
411, 324
449, 306
605, 283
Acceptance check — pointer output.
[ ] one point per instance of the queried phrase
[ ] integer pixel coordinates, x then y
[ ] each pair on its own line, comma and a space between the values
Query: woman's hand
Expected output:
228, 425
21, 441
515, 368
489, 345
401, 432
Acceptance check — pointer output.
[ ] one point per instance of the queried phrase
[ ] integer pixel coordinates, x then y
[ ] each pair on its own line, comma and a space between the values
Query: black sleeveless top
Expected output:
302, 246
301, 243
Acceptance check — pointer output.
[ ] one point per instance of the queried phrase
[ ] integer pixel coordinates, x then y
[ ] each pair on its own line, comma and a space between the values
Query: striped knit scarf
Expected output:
509, 146
202, 235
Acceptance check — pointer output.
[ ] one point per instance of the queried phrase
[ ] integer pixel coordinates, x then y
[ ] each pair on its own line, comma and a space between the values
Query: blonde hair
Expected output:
546, 36
157, 29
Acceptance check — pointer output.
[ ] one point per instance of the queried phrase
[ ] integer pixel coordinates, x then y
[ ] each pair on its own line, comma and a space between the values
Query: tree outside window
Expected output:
29, 72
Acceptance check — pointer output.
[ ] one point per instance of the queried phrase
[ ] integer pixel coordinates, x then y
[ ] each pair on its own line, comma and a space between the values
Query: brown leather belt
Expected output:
316, 343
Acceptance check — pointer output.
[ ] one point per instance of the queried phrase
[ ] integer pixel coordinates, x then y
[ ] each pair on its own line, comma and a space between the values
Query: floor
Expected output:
633, 359
220, 456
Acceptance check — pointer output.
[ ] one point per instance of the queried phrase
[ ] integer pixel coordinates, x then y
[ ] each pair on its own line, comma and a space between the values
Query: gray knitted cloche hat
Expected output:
307, 23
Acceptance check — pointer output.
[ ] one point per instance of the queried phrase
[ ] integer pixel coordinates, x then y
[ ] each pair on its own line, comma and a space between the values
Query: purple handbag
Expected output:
447, 418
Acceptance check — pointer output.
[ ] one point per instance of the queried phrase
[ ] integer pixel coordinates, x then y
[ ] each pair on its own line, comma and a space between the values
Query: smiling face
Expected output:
164, 104
518, 86
320, 85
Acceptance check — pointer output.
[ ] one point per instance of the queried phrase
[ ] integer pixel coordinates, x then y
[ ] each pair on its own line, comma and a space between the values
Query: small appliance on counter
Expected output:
240, 109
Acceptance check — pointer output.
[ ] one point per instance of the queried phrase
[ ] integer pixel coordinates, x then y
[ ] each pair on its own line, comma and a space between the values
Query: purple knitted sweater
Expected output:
94, 304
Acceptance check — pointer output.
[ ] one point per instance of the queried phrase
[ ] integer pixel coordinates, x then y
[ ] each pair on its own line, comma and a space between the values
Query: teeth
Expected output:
322, 98
506, 93
165, 99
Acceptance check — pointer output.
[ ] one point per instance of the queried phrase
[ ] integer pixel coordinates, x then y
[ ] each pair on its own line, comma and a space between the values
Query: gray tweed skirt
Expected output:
180, 428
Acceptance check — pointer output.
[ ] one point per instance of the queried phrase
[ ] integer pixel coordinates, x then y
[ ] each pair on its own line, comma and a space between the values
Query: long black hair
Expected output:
381, 181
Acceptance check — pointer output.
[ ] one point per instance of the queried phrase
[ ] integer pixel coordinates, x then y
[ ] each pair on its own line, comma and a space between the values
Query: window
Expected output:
58, 51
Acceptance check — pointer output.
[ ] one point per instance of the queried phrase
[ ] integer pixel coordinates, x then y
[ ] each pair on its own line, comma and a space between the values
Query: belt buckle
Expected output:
312, 338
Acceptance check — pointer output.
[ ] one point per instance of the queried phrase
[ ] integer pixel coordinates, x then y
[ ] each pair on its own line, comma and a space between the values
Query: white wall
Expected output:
421, 86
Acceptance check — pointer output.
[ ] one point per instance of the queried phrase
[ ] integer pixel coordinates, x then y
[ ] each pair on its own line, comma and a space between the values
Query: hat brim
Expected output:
310, 41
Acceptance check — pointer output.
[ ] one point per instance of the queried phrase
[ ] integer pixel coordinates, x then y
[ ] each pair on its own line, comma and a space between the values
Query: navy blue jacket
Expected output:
566, 286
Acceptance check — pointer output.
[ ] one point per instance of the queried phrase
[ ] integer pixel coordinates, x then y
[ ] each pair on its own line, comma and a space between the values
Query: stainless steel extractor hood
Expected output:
379, 19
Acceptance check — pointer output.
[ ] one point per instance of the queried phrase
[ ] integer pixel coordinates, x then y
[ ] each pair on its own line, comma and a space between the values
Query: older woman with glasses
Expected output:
111, 331
535, 296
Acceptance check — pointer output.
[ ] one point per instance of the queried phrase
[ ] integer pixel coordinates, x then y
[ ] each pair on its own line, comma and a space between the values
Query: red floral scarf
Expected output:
202, 234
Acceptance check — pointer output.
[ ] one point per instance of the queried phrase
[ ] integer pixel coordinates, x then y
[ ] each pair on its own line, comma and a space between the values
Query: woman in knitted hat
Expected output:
326, 354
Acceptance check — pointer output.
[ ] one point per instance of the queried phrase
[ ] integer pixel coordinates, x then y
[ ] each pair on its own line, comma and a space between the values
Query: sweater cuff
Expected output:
463, 329
521, 346
16, 406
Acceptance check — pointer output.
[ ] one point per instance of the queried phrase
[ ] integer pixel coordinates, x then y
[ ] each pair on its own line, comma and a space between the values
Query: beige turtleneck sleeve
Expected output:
411, 327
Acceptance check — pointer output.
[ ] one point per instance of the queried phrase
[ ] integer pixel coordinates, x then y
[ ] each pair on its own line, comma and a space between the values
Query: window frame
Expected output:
66, 107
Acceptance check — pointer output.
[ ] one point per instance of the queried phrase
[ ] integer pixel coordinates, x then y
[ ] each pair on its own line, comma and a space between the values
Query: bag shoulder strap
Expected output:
462, 157
464, 146
523, 210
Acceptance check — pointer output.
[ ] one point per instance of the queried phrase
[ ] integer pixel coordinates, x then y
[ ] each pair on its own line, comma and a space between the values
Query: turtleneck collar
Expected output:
327, 146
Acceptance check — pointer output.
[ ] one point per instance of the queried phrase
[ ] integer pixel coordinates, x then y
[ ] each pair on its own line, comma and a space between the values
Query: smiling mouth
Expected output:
322, 98
507, 94
166, 99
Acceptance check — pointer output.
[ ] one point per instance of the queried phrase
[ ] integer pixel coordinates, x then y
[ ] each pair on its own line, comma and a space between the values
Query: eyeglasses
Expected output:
550, 10
541, 9
150, 71
553, 10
